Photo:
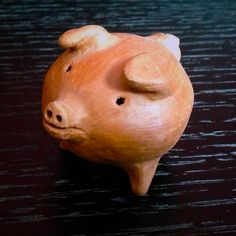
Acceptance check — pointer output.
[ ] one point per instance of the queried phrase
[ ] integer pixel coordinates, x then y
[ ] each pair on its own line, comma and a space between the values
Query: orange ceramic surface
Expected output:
118, 98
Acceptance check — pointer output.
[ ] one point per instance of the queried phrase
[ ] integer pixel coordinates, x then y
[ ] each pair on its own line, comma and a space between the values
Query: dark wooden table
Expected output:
44, 191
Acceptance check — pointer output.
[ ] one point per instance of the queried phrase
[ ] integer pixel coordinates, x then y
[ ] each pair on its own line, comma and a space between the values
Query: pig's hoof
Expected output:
141, 175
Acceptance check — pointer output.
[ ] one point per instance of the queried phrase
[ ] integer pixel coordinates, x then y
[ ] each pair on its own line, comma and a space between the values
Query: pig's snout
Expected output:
56, 114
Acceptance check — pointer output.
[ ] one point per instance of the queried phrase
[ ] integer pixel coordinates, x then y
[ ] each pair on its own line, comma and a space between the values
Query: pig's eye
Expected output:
69, 67
120, 101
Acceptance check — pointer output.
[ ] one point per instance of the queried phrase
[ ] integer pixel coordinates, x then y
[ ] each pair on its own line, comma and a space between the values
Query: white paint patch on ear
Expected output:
172, 43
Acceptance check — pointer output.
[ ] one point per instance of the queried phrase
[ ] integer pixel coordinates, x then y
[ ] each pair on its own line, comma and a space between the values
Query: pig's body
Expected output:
107, 115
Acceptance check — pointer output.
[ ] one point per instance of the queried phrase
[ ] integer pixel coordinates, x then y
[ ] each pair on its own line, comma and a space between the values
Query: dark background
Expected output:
44, 191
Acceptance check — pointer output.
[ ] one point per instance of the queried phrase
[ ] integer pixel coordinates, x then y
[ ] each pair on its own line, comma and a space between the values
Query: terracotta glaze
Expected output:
118, 98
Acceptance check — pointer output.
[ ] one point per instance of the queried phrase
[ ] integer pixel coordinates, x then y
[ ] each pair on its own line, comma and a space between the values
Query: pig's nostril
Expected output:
49, 114
59, 118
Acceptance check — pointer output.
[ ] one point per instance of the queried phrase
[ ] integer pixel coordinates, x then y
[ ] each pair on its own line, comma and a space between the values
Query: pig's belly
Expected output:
153, 144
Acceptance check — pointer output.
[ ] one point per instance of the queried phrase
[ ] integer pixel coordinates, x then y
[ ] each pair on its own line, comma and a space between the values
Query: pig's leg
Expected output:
141, 175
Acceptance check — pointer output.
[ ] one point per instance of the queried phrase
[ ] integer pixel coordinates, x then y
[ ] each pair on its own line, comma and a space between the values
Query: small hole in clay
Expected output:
59, 118
49, 114
120, 101
68, 68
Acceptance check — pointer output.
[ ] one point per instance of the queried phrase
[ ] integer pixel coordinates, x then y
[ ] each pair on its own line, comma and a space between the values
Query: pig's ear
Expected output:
170, 41
143, 74
90, 36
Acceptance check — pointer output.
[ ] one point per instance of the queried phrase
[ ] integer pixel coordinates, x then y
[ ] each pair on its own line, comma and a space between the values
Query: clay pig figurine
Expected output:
118, 98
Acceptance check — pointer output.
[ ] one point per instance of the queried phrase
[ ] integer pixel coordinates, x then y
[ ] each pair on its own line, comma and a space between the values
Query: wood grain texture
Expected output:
47, 192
